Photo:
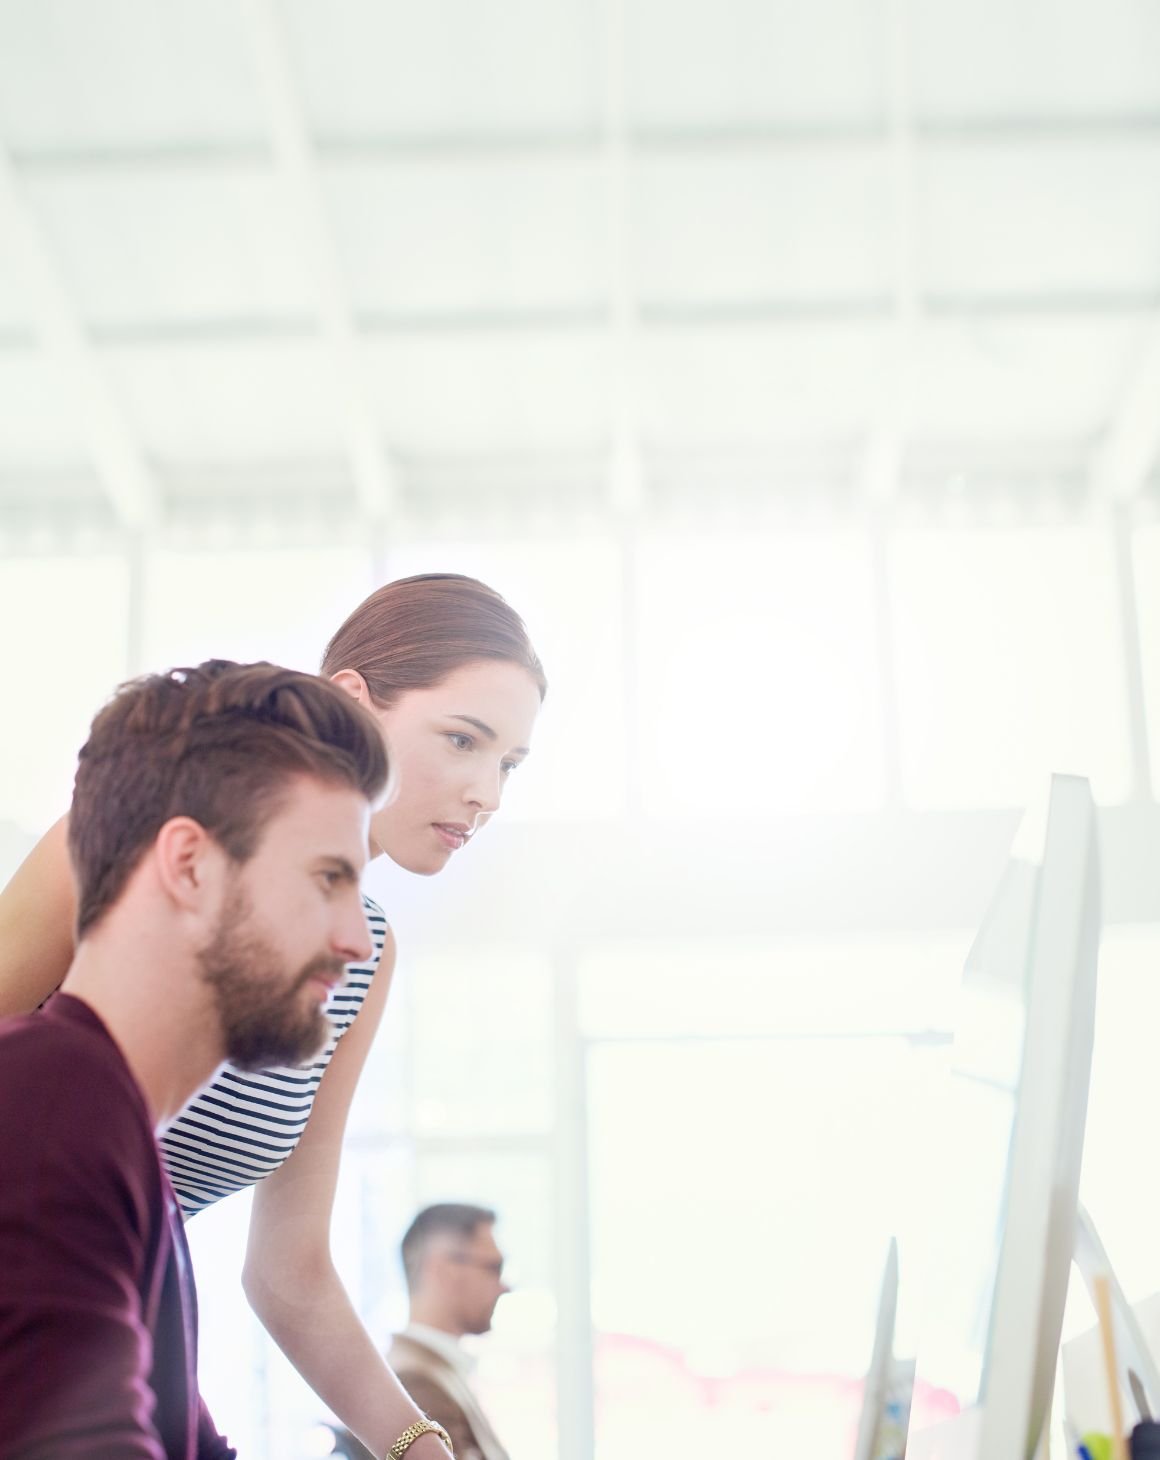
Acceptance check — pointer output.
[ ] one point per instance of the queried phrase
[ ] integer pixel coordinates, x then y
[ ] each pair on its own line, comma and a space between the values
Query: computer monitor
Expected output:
880, 1374
1017, 1110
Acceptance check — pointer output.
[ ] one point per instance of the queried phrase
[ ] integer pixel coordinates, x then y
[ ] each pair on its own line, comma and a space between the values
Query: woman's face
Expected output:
452, 749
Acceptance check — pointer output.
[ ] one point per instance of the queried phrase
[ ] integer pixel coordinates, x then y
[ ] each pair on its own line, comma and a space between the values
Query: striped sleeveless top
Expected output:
243, 1126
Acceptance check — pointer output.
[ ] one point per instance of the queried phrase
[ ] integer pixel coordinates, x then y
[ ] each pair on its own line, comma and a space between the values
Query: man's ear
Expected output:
355, 685
187, 860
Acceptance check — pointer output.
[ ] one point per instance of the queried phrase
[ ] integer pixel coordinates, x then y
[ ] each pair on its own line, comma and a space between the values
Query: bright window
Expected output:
758, 679
277, 604
743, 1195
1010, 663
791, 987
66, 635
483, 1019
233, 1349
1118, 1184
1146, 545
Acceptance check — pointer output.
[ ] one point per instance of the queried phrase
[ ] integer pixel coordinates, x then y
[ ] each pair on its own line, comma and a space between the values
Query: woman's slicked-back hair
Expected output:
414, 632
219, 743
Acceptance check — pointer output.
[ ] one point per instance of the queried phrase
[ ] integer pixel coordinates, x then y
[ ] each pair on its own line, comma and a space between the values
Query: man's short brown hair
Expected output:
219, 743
446, 1218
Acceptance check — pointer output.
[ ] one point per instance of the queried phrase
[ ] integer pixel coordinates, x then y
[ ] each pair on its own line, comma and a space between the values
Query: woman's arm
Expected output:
289, 1276
37, 915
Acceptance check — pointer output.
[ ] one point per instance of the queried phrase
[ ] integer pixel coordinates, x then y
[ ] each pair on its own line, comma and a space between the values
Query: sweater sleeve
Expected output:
77, 1237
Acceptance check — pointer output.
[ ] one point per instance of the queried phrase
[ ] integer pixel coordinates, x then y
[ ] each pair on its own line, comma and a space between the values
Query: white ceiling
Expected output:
353, 250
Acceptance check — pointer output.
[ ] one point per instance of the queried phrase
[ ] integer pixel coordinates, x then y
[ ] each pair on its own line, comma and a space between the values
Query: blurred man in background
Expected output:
454, 1272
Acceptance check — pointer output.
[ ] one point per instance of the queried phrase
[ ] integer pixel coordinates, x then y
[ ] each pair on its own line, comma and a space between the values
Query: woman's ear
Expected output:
354, 684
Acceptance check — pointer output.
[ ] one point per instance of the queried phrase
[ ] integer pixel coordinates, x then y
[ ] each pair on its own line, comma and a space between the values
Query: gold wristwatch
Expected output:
412, 1433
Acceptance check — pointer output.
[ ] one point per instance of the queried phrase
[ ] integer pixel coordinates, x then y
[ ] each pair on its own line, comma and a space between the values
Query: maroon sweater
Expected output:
98, 1317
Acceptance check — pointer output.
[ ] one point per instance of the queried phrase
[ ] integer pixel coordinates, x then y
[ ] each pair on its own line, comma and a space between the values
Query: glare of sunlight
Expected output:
759, 679
1010, 663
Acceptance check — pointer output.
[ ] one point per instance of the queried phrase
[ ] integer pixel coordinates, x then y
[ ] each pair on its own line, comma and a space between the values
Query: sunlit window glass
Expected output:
1117, 1182
1146, 545
758, 675
1010, 663
796, 986
66, 635
740, 1217
233, 1348
488, 1013
277, 604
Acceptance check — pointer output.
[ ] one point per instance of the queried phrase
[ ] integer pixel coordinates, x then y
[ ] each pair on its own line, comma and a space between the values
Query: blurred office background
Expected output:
794, 369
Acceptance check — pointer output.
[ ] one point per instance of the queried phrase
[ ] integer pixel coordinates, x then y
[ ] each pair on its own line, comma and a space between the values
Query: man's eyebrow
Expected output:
346, 870
485, 729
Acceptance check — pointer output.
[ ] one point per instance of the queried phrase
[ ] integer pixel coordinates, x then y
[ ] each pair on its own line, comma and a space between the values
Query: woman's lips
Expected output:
451, 836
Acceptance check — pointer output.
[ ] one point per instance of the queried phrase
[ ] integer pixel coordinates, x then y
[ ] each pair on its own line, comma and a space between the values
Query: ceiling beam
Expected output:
249, 153
62, 337
626, 476
1123, 311
296, 162
880, 470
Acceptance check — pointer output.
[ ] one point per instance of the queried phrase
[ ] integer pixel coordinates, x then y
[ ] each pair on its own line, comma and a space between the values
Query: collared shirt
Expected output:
446, 1345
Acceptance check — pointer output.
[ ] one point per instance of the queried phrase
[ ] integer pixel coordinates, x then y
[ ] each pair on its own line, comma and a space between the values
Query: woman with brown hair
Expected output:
446, 667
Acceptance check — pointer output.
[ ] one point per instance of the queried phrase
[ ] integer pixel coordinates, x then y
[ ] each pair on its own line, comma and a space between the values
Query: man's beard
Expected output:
264, 1020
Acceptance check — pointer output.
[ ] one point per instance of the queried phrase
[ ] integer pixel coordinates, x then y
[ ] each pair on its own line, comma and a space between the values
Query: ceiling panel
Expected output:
15, 314
491, 392
38, 420
745, 63
144, 246
124, 73
199, 492
479, 236
466, 188
29, 495
446, 67
1041, 218
762, 225
209, 402
1058, 378
748, 384
1057, 58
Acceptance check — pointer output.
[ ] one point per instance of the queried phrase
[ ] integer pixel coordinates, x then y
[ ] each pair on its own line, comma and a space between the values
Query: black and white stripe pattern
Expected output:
241, 1126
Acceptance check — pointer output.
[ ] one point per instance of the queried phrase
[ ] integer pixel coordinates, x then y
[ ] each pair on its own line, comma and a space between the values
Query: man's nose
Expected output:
353, 938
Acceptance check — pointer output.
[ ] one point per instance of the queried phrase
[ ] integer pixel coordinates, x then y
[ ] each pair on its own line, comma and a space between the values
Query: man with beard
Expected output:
218, 828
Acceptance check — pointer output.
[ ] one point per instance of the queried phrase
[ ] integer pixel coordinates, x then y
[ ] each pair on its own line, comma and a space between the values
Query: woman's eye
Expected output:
461, 741
508, 766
